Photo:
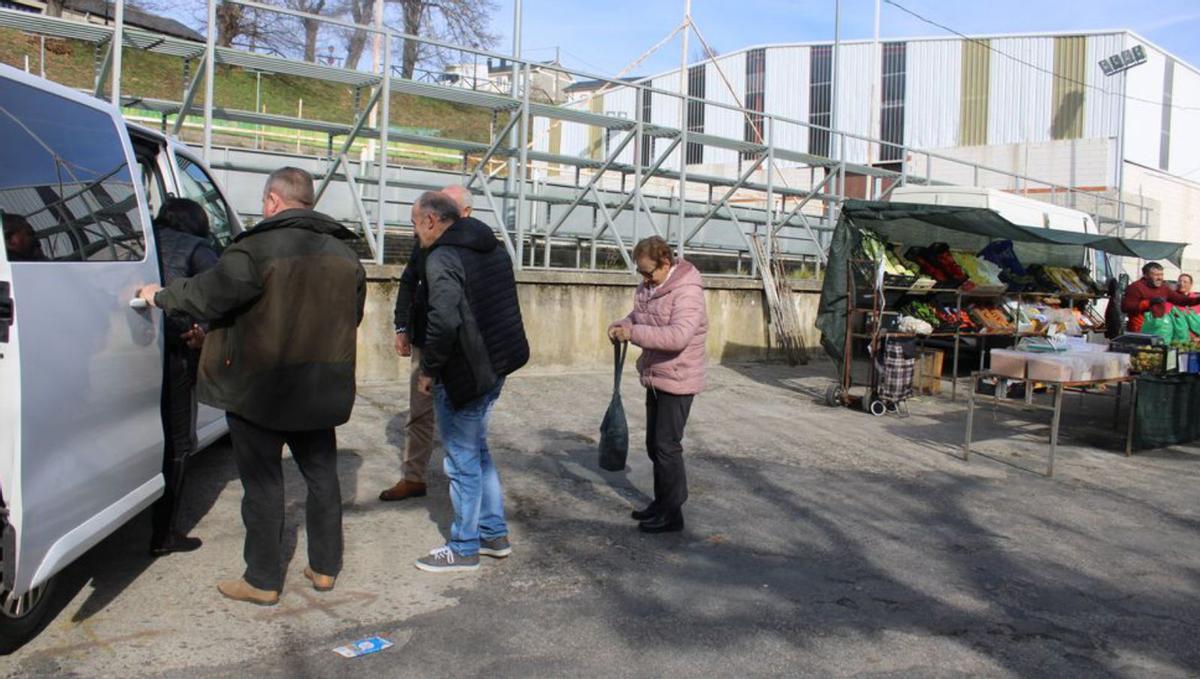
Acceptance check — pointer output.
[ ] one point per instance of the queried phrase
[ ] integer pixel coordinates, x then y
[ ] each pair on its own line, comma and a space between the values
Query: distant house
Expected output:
583, 88
495, 75
103, 12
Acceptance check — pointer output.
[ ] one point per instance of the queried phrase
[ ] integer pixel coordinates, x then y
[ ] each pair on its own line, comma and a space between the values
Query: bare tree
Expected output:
463, 22
361, 12
232, 23
312, 27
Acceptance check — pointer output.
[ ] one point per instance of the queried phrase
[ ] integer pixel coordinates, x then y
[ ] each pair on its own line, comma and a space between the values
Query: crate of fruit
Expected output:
1154, 360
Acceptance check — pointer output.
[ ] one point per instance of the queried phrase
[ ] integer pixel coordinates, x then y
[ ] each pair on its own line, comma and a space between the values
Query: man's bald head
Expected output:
461, 196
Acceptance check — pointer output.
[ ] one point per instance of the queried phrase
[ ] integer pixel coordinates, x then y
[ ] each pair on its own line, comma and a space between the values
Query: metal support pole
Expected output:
834, 108
118, 40
523, 170
612, 157
638, 106
1054, 422
712, 211
609, 224
384, 125
210, 50
770, 123
337, 159
188, 99
105, 70
683, 122
513, 138
1121, 169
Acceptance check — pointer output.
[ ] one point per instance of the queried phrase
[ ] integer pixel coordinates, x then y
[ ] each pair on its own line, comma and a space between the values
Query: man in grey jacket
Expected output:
474, 338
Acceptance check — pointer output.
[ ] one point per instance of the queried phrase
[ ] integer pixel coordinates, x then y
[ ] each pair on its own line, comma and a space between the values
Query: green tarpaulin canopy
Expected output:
962, 228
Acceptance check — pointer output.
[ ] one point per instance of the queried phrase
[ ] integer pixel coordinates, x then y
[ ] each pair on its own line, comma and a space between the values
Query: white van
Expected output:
1014, 208
81, 372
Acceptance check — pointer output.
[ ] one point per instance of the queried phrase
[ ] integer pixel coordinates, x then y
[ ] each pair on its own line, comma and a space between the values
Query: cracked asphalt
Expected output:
820, 541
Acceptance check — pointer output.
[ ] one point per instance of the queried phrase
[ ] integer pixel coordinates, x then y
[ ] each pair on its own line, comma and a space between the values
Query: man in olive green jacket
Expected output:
284, 303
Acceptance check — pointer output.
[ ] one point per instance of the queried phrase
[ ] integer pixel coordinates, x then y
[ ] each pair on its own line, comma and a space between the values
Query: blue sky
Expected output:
603, 36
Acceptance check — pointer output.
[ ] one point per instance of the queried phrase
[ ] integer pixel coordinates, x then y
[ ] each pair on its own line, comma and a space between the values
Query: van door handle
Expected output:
138, 303
6, 310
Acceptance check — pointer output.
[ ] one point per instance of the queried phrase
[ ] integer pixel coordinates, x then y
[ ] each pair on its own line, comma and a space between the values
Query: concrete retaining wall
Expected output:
566, 314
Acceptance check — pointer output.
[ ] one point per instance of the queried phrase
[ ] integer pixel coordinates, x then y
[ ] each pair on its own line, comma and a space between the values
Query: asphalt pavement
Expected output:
820, 541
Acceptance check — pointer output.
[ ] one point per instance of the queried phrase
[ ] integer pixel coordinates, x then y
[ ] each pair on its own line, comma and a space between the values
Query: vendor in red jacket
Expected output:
1149, 293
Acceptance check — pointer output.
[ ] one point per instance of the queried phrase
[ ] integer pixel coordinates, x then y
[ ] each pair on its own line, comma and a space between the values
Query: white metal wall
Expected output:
854, 100
787, 94
1143, 107
1102, 98
720, 121
1185, 124
664, 111
1020, 98
933, 93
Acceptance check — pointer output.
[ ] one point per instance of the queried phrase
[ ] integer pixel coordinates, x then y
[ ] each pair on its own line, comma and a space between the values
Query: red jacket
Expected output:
1137, 302
670, 324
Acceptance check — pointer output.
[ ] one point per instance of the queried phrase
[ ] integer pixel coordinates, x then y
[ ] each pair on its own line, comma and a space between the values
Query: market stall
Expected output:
967, 277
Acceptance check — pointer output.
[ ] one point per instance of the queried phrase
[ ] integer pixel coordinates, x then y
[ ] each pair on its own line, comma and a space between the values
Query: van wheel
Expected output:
21, 617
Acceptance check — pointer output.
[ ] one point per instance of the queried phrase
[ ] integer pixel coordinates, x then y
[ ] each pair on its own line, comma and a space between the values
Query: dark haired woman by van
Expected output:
183, 251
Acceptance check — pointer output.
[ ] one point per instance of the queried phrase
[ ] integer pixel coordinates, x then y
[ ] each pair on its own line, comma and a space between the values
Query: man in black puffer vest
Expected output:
474, 338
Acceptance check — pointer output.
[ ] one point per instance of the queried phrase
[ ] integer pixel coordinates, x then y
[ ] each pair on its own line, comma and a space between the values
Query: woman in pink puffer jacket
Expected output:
670, 324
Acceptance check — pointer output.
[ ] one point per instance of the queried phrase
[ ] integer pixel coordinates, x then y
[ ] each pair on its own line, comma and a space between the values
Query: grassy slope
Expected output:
158, 76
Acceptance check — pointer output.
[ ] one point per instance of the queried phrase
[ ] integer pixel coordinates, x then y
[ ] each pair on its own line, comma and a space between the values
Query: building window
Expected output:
891, 105
695, 112
647, 140
820, 99
756, 76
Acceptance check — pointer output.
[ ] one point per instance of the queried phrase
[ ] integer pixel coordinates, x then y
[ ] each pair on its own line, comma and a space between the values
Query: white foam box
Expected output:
1061, 367
1108, 365
1009, 363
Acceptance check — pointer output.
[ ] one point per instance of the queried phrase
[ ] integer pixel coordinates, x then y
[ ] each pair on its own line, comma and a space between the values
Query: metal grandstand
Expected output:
536, 197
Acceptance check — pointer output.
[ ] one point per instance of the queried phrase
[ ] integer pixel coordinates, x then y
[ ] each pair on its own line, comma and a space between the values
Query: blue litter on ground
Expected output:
363, 647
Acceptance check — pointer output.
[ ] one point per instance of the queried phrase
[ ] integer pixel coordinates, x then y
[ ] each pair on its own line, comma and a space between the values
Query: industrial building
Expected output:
1038, 105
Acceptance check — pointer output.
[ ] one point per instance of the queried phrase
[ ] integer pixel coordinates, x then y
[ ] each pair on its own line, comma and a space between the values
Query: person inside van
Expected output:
182, 254
20, 241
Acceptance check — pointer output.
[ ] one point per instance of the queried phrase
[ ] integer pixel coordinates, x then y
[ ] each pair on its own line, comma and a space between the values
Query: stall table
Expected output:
1058, 388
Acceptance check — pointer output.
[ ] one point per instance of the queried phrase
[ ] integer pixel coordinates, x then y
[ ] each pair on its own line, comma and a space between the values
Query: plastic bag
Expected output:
1159, 325
614, 429
1193, 320
1179, 324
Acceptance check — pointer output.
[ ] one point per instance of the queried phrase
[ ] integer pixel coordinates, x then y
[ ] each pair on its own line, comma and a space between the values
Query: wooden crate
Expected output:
927, 375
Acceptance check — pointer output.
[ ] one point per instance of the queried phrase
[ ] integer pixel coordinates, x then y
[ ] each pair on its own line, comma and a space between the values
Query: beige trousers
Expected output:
418, 439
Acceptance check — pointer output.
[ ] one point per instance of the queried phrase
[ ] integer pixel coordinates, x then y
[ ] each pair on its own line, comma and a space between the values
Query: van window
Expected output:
197, 185
152, 184
66, 189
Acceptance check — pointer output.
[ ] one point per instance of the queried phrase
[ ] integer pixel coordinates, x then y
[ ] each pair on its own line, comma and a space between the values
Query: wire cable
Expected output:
988, 46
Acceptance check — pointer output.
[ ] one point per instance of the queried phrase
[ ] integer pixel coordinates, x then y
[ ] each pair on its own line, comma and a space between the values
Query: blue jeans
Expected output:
474, 482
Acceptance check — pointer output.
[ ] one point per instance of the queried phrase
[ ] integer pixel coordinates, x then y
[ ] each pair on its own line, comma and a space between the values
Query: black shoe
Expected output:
668, 522
175, 542
643, 514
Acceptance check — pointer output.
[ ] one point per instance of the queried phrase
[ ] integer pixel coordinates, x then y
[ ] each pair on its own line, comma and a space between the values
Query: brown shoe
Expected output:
321, 583
240, 590
403, 490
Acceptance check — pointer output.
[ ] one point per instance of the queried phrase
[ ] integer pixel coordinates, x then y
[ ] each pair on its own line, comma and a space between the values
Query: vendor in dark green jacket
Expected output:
284, 302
